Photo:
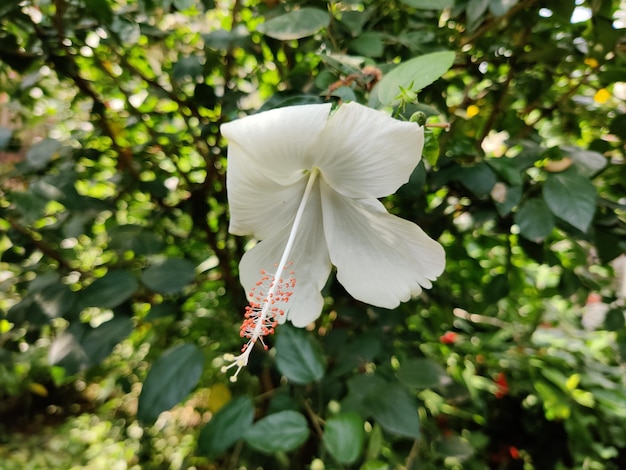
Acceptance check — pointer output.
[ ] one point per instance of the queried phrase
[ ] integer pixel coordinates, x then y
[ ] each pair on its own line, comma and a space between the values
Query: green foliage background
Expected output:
119, 280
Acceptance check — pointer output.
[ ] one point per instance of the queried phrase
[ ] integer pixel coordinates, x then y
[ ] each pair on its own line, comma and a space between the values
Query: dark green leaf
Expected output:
368, 44
478, 178
534, 219
296, 24
512, 197
55, 300
279, 432
169, 276
395, 410
429, 4
475, 10
297, 356
422, 373
5, 137
571, 197
99, 342
500, 7
226, 427
110, 290
344, 436
415, 74
170, 380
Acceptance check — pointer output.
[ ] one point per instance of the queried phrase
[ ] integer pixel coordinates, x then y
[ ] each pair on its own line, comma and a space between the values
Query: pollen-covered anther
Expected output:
261, 315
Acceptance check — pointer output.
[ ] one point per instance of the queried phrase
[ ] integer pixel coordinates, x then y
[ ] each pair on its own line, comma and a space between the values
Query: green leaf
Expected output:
187, 67
587, 162
170, 380
534, 219
55, 300
475, 10
500, 7
226, 427
395, 410
368, 44
414, 74
422, 373
126, 30
278, 432
114, 288
571, 197
389, 404
512, 197
454, 446
297, 356
100, 9
80, 346
169, 275
296, 24
478, 178
135, 238
344, 436
40, 154
99, 342
429, 4
5, 137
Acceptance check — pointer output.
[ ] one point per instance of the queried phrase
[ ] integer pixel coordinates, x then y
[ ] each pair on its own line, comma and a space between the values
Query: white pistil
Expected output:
241, 360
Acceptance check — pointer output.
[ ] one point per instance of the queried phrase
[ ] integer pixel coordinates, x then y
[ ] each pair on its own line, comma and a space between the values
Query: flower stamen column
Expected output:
260, 316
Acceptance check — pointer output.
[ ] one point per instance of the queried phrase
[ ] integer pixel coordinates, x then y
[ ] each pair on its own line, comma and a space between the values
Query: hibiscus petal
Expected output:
309, 261
258, 205
364, 153
381, 259
276, 142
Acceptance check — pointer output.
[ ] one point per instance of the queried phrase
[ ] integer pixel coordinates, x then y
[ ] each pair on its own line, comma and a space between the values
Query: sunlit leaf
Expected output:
296, 24
414, 74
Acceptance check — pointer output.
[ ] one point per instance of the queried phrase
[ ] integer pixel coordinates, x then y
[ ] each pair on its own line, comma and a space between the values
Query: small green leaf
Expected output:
571, 197
169, 275
170, 380
296, 24
226, 427
534, 219
109, 291
297, 356
422, 373
279, 432
344, 437
429, 4
414, 75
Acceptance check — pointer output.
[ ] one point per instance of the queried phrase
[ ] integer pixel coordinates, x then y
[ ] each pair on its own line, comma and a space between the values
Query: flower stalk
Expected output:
260, 317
